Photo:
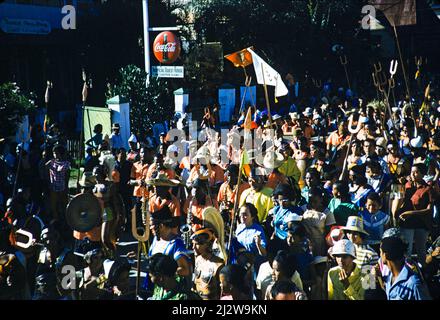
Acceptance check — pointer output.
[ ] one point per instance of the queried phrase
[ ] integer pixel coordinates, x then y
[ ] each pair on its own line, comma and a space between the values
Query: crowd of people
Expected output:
336, 199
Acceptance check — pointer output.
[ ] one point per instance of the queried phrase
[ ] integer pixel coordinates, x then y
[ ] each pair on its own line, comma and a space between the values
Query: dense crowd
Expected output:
331, 199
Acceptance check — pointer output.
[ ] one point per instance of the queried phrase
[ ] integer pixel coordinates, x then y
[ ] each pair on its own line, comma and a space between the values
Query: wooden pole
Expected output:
81, 136
267, 97
235, 208
402, 62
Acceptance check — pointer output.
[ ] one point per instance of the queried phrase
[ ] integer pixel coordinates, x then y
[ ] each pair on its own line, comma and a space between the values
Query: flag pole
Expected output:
84, 94
405, 77
235, 207
266, 96
402, 62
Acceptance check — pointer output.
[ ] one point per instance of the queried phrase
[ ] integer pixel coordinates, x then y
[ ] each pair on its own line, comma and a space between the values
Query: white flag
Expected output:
271, 76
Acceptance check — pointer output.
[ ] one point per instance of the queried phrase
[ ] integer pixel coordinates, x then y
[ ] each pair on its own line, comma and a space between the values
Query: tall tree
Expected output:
147, 105
13, 106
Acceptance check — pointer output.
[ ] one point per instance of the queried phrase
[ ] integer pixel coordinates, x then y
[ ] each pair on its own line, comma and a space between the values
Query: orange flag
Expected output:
241, 58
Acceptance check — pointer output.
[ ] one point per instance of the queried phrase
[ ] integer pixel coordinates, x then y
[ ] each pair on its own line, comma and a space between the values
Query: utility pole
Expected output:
146, 40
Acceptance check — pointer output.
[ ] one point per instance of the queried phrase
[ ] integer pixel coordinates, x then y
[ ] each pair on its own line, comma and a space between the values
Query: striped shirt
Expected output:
365, 256
374, 224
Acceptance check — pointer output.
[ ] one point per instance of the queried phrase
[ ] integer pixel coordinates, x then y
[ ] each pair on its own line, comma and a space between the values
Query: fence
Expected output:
73, 149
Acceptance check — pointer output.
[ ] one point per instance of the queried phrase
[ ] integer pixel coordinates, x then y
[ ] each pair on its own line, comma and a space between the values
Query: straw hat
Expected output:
272, 160
162, 180
355, 223
87, 180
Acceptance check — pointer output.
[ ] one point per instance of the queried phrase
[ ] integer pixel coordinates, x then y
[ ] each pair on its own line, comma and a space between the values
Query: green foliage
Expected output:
147, 105
13, 106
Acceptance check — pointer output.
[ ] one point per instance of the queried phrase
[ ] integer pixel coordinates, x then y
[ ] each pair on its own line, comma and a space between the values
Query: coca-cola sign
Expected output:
166, 47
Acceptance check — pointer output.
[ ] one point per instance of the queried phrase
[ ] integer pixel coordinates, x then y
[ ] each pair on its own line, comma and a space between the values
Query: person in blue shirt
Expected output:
250, 234
401, 283
361, 190
115, 138
301, 248
375, 220
376, 178
284, 212
167, 241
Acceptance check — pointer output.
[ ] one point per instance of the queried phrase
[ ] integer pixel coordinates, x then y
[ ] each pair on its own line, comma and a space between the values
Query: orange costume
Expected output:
197, 209
139, 172
156, 203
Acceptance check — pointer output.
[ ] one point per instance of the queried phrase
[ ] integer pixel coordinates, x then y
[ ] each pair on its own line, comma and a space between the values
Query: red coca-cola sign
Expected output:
166, 47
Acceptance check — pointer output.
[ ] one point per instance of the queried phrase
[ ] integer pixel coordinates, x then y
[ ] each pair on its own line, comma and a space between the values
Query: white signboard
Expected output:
167, 71
25, 26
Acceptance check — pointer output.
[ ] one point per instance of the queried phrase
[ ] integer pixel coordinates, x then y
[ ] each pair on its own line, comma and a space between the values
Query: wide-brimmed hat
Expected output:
276, 117
294, 115
355, 223
344, 246
272, 160
116, 126
203, 153
162, 180
88, 180
203, 236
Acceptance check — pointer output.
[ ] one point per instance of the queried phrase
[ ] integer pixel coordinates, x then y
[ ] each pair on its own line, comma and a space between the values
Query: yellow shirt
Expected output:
290, 169
262, 200
336, 290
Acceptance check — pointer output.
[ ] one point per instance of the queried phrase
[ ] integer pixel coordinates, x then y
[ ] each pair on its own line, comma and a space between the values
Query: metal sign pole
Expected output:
146, 40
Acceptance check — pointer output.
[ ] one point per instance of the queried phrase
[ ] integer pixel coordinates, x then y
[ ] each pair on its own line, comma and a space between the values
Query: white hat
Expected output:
294, 115
308, 112
276, 117
344, 246
132, 139
417, 142
316, 116
395, 109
